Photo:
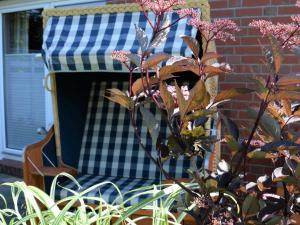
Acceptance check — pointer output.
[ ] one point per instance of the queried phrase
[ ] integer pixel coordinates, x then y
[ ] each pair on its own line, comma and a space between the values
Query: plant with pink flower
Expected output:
160, 7
287, 34
121, 56
219, 29
223, 195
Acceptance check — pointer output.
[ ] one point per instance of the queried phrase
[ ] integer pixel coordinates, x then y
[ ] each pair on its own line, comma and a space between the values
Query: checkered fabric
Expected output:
110, 147
85, 42
107, 191
110, 150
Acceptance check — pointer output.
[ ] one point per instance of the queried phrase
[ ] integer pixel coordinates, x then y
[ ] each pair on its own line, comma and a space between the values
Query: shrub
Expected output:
222, 196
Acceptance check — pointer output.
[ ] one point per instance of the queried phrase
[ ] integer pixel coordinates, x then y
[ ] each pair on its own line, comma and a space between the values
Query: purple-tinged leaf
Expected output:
142, 38
231, 93
167, 98
193, 44
155, 59
138, 87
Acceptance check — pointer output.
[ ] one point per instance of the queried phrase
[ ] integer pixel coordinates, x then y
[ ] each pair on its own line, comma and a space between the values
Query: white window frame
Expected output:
6, 152
16, 6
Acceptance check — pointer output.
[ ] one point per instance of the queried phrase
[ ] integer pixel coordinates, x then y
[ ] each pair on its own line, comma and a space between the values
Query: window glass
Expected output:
24, 94
86, 4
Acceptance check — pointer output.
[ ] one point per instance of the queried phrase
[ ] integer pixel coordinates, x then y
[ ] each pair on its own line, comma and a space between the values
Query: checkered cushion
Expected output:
108, 192
110, 147
110, 150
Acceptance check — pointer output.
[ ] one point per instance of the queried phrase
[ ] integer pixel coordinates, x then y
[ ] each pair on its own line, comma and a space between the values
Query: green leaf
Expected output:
297, 171
155, 59
250, 206
231, 127
232, 144
135, 59
151, 123
211, 184
194, 133
192, 43
260, 86
141, 37
167, 98
275, 220
287, 179
181, 101
268, 124
231, 93
277, 54
119, 97
174, 145
256, 154
200, 113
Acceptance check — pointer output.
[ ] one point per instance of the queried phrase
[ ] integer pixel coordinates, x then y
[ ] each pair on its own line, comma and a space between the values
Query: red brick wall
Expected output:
244, 55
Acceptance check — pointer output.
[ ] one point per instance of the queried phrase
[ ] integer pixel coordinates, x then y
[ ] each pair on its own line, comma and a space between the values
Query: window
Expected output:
24, 95
86, 4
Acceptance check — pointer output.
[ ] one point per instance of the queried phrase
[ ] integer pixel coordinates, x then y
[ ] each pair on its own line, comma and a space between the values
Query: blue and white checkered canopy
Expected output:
85, 42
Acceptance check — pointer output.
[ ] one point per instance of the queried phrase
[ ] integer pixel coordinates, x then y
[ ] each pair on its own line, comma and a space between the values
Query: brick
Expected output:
252, 41
225, 50
234, 3
295, 69
248, 12
222, 13
246, 50
233, 59
285, 69
252, 59
245, 54
289, 10
253, 31
246, 68
218, 4
291, 60
270, 11
256, 3
281, 19
283, 2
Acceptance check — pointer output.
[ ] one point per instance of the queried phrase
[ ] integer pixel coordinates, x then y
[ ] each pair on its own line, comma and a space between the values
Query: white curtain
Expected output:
17, 26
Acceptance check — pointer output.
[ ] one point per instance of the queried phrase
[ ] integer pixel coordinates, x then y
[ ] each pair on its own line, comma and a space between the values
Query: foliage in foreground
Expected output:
40, 208
223, 196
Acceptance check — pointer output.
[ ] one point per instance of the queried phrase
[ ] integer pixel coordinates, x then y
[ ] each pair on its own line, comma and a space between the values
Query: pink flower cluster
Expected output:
219, 29
286, 34
121, 56
201, 202
184, 90
187, 12
298, 3
160, 6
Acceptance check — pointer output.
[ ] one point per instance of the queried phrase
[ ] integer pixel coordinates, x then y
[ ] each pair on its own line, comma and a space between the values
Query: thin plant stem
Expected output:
166, 174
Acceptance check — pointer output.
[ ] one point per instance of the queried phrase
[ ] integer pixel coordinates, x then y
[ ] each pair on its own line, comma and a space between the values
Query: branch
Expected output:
166, 174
